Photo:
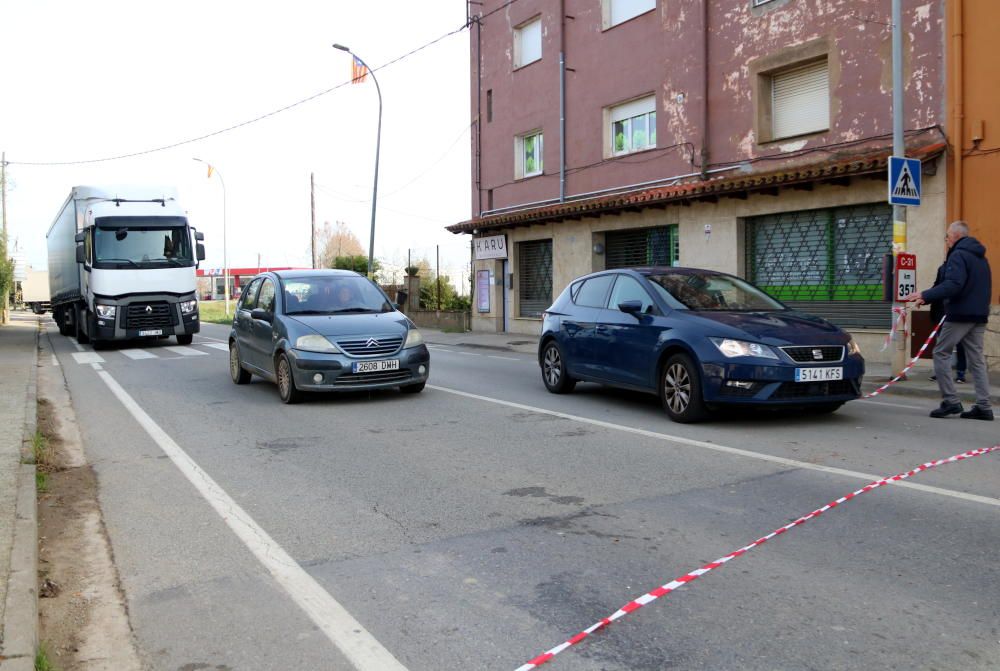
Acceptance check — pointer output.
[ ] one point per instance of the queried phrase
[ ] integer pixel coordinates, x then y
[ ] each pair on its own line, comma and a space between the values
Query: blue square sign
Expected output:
904, 181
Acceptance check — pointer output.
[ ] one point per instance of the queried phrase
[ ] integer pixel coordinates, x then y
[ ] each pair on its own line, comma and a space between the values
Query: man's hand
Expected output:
916, 298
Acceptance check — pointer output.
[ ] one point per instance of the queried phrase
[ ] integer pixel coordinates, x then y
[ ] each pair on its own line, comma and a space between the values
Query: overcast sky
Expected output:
89, 80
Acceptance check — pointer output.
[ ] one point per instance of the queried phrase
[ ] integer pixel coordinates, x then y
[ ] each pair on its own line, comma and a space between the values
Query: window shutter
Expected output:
800, 100
534, 277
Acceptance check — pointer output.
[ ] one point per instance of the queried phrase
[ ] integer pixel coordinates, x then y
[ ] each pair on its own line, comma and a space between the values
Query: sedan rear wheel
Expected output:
680, 390
554, 374
286, 383
236, 371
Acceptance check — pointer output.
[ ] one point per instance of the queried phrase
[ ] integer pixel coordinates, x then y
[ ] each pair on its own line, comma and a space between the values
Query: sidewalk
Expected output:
918, 382
18, 521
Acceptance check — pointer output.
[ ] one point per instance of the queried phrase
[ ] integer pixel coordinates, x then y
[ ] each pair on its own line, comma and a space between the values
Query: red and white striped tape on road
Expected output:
898, 326
663, 590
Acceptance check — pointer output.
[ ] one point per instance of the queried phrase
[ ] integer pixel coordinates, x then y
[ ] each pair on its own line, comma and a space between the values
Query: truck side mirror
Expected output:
81, 255
199, 236
199, 251
80, 237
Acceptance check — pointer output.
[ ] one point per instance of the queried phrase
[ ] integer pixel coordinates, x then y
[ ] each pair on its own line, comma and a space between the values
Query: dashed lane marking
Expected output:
55, 361
216, 345
680, 440
87, 357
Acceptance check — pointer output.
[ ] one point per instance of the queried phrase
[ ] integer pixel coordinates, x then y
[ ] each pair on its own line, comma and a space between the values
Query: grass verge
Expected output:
215, 311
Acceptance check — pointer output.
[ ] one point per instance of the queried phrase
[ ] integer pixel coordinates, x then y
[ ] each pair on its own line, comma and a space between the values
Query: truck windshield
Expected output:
131, 242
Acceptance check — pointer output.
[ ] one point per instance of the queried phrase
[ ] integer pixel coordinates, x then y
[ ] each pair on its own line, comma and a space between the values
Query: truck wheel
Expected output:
185, 339
78, 317
60, 317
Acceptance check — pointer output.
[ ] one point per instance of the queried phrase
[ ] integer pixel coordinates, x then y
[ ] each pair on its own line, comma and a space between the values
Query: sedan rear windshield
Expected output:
333, 295
711, 291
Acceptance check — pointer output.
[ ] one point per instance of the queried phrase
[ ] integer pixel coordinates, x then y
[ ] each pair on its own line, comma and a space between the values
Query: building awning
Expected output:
793, 169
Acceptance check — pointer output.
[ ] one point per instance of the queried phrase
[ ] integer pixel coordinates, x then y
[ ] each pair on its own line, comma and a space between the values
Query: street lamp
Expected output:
225, 257
378, 142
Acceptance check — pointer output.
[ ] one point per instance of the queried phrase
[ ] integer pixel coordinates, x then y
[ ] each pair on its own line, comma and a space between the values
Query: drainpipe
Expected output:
562, 100
479, 114
704, 90
958, 113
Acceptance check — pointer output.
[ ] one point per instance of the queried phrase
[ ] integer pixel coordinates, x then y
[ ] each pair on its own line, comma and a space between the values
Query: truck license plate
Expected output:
151, 332
818, 374
375, 366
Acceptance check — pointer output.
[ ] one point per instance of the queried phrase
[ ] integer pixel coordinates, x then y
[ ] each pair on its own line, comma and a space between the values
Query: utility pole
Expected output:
899, 353
312, 208
3, 247
438, 252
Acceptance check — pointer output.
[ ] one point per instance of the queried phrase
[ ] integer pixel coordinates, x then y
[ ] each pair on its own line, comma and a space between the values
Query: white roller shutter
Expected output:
800, 100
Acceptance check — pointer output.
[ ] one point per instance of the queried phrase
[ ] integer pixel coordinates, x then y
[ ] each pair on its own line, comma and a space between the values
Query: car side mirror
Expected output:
397, 307
631, 307
261, 314
81, 254
199, 251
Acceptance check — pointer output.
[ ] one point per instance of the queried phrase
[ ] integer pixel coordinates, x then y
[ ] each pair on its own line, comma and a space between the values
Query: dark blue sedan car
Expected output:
324, 330
698, 339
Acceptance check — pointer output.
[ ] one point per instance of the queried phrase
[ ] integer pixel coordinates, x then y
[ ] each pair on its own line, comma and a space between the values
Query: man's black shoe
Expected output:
975, 412
946, 409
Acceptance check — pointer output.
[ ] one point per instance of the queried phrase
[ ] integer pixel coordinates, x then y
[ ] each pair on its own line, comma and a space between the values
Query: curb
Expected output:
20, 630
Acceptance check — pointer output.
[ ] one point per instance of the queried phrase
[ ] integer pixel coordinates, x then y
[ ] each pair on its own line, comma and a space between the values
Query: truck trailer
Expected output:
122, 265
35, 291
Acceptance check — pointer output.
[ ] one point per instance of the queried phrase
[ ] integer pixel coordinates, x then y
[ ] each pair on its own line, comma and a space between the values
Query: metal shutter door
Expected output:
800, 100
534, 277
641, 247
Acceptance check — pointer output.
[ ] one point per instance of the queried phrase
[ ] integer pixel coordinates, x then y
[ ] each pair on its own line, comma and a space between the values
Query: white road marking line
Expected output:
441, 349
96, 366
201, 337
217, 345
352, 639
183, 350
505, 358
724, 449
470, 353
78, 346
136, 354
55, 361
88, 357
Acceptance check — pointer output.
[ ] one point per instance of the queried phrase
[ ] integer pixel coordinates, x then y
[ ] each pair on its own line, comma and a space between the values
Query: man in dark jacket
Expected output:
965, 290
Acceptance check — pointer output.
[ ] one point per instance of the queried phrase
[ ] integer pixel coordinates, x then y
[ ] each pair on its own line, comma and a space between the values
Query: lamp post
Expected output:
378, 143
225, 257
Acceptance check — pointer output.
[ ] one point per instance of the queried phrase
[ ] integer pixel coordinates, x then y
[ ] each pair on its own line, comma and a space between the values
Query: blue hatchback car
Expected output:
698, 339
324, 330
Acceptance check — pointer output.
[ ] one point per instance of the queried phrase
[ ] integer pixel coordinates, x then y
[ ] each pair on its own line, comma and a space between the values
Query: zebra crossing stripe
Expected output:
138, 354
216, 345
185, 351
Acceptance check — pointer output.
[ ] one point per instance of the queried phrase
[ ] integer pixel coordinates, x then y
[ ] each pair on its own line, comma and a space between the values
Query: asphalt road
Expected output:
485, 521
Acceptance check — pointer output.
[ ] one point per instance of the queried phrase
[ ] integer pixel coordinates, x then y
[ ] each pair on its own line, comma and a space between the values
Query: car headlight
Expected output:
852, 347
106, 311
187, 307
413, 338
734, 348
316, 343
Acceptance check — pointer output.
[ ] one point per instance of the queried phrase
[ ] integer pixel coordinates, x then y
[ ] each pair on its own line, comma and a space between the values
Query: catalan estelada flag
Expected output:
358, 71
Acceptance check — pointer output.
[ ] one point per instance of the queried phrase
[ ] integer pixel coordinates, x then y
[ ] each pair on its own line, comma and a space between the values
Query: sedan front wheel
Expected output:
680, 390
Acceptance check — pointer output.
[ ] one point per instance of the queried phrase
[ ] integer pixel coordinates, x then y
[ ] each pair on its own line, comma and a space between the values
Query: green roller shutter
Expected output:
641, 247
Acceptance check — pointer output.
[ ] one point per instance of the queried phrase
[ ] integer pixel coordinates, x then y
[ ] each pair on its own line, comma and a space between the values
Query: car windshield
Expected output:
134, 242
333, 295
711, 291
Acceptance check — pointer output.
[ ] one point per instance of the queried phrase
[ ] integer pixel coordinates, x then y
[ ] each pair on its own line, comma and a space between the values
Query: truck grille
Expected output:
378, 346
149, 315
827, 353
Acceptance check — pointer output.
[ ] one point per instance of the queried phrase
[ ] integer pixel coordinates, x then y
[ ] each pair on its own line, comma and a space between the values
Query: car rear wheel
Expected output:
239, 374
680, 390
554, 374
286, 383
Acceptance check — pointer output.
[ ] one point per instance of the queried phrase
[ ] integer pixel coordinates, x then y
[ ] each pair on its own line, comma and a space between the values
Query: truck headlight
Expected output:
187, 307
732, 348
106, 311
316, 343
413, 338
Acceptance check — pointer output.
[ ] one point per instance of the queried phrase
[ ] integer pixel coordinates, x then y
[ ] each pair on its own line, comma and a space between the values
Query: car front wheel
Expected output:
236, 370
680, 390
286, 383
554, 374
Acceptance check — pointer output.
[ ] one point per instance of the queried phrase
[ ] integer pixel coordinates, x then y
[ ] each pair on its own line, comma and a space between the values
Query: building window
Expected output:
632, 126
528, 42
534, 277
528, 155
620, 11
758, 3
800, 100
657, 246
827, 262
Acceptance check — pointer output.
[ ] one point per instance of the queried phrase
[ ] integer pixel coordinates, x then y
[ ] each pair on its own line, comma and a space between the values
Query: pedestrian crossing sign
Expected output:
904, 181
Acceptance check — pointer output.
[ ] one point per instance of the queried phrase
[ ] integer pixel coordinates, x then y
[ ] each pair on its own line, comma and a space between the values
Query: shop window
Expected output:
534, 277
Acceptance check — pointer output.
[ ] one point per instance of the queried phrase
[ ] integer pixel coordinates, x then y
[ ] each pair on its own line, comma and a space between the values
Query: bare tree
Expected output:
334, 241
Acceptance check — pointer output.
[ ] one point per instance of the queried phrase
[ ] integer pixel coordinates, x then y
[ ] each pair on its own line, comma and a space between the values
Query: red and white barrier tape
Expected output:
912, 363
898, 326
663, 590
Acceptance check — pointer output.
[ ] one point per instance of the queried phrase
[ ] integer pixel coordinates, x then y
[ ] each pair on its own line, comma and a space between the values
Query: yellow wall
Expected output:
973, 74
